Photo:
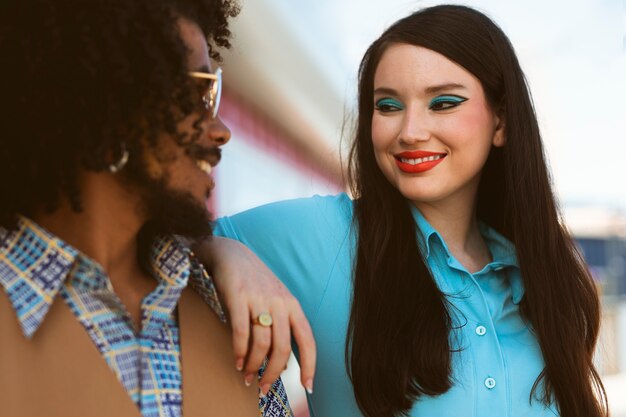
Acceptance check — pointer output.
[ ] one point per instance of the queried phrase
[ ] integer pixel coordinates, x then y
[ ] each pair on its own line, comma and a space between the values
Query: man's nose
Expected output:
218, 132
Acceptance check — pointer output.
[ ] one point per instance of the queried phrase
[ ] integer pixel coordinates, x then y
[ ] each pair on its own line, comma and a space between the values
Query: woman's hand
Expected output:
248, 288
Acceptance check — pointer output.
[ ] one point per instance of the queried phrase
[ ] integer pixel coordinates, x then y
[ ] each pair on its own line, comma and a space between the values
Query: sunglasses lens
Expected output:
216, 90
210, 89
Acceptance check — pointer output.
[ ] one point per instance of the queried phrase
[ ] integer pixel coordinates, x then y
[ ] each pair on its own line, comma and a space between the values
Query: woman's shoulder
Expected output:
327, 203
300, 240
316, 217
314, 211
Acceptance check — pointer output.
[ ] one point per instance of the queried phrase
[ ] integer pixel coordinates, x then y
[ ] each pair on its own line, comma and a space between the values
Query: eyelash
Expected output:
448, 102
388, 105
441, 103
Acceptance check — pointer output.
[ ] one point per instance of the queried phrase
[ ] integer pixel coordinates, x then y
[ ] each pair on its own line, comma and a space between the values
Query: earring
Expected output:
121, 163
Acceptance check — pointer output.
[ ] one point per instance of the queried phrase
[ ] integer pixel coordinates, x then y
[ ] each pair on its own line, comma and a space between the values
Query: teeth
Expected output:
205, 166
421, 160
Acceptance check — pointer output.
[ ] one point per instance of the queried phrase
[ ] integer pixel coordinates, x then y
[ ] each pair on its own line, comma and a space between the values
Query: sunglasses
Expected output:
211, 98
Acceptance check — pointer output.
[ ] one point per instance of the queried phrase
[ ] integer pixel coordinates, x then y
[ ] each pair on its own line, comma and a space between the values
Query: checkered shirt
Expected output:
36, 266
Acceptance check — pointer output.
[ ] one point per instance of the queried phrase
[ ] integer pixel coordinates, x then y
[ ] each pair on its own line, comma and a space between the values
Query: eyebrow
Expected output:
203, 68
386, 91
428, 90
441, 87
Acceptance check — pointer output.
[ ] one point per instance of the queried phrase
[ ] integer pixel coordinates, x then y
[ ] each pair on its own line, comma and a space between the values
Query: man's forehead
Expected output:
192, 35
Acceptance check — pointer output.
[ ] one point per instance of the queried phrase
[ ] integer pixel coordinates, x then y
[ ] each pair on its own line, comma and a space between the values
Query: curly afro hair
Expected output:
79, 77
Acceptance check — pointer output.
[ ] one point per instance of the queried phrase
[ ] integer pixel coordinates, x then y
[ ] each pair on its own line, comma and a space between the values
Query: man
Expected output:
110, 133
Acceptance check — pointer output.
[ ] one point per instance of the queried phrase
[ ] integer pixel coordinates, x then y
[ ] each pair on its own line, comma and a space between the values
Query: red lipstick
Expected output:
418, 161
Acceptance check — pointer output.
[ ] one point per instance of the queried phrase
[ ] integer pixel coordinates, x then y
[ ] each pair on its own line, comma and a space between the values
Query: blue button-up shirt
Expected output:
309, 244
36, 267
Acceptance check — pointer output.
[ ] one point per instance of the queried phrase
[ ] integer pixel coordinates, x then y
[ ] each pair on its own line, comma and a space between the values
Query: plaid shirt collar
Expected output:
34, 264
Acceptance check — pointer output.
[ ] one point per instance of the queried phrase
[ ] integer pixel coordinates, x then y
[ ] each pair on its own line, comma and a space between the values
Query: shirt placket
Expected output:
160, 354
491, 374
113, 331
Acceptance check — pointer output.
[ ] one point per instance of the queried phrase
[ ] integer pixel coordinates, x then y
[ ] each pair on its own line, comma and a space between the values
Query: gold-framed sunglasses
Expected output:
211, 98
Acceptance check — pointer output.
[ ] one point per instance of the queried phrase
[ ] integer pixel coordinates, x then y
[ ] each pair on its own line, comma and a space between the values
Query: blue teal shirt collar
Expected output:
502, 250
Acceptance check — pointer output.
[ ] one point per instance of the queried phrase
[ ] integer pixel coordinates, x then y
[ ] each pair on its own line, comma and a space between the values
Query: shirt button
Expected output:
490, 383
481, 330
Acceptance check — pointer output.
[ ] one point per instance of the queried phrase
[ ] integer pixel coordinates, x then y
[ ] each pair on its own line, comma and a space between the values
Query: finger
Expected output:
240, 324
258, 351
281, 349
303, 336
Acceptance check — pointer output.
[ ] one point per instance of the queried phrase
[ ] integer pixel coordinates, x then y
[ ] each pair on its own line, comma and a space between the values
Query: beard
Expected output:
174, 212
168, 211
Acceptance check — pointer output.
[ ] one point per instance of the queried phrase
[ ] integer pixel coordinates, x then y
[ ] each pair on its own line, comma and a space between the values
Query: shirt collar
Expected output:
502, 250
425, 233
34, 264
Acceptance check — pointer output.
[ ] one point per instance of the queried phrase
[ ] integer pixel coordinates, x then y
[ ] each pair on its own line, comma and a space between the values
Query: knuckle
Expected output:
263, 343
289, 300
240, 330
299, 314
307, 349
239, 288
282, 349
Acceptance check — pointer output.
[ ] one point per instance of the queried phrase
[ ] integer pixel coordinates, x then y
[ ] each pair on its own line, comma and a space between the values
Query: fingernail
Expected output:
265, 389
261, 395
248, 380
309, 386
239, 365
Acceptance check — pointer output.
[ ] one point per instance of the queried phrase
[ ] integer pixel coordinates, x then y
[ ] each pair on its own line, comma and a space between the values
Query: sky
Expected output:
573, 54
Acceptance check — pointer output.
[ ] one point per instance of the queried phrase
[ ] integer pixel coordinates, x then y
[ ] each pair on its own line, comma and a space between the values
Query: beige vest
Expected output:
60, 372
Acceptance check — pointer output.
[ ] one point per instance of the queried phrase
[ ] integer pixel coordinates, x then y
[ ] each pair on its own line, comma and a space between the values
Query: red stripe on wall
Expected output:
249, 124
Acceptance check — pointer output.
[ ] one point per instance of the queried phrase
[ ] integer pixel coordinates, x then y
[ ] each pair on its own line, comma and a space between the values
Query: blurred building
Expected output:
601, 235
286, 122
285, 118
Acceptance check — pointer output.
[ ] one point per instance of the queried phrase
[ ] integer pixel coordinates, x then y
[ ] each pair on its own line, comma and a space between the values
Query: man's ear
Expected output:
499, 139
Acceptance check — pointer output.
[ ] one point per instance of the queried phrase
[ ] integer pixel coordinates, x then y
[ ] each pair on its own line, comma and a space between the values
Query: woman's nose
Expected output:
414, 128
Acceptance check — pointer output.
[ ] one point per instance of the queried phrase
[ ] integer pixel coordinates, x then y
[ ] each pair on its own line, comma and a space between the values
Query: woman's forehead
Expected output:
410, 66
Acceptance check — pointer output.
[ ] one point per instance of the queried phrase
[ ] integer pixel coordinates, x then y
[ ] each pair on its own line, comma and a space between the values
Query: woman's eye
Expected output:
386, 105
445, 102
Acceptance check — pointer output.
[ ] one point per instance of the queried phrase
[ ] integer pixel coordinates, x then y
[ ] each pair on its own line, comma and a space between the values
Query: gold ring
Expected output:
263, 319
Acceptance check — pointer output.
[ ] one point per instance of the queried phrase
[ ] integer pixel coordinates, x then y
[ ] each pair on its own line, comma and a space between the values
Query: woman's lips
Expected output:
413, 162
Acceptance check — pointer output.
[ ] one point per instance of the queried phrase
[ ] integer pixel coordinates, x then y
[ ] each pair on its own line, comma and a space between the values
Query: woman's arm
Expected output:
247, 288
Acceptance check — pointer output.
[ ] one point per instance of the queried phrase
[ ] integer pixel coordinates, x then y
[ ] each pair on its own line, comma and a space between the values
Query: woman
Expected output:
448, 286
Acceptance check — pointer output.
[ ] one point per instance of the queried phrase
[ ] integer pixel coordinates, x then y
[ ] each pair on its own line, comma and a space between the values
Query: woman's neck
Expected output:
458, 226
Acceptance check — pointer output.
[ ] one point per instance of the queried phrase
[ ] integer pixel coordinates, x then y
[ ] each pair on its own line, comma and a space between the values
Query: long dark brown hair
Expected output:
398, 347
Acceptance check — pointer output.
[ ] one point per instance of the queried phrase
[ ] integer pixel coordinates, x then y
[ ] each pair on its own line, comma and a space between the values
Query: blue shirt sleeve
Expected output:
299, 240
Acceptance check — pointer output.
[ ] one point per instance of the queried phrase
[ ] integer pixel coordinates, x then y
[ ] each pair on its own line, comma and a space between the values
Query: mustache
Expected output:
197, 151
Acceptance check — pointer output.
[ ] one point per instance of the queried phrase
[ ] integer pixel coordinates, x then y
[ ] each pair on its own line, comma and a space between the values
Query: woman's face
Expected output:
432, 128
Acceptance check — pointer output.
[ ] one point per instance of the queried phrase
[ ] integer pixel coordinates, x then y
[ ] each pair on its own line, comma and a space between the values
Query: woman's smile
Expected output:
413, 162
